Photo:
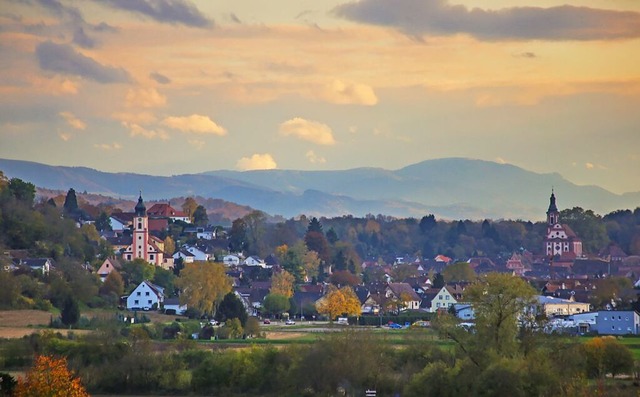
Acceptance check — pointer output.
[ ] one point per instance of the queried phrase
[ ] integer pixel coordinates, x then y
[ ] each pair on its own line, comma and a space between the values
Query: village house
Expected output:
109, 265
146, 296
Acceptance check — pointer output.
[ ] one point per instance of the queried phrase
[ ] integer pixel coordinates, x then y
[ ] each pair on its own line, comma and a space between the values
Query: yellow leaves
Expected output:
50, 376
203, 285
282, 284
339, 301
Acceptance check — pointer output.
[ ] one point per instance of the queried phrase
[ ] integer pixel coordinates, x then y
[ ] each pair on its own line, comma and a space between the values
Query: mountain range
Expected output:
451, 188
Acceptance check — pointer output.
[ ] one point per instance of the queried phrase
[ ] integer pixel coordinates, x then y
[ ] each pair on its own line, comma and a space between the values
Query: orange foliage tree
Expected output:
51, 377
339, 301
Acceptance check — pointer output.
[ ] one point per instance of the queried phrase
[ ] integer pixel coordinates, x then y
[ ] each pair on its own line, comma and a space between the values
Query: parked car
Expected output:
266, 321
289, 322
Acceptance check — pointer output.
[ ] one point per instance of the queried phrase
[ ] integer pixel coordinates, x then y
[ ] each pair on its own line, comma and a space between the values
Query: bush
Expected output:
170, 312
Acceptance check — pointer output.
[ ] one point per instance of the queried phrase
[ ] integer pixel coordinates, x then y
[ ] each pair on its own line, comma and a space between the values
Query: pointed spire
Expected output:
140, 208
552, 203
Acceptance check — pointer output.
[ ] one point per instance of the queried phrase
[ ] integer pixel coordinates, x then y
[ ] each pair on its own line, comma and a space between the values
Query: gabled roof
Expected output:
403, 288
165, 210
155, 288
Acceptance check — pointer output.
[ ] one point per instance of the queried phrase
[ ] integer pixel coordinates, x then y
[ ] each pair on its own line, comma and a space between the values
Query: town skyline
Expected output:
168, 88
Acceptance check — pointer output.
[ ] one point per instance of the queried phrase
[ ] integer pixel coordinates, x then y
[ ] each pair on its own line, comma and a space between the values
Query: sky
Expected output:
171, 87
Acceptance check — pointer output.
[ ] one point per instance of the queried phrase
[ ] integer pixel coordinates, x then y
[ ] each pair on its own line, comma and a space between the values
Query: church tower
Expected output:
140, 230
143, 245
560, 242
553, 215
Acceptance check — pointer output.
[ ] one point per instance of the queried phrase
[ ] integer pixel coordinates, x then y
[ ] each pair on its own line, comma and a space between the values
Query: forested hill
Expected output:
453, 188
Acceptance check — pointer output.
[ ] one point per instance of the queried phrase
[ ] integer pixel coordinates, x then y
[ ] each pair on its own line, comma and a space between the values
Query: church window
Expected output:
139, 225
152, 257
139, 247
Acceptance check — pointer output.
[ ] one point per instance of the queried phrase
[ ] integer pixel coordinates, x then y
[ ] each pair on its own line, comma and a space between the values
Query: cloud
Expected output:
135, 118
589, 166
311, 131
159, 78
196, 124
73, 121
138, 130
439, 17
81, 38
342, 93
525, 55
107, 146
256, 162
62, 58
169, 11
64, 136
500, 160
145, 97
315, 159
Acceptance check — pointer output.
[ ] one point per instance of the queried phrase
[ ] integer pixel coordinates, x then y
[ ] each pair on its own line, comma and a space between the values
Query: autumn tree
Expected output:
498, 301
459, 271
339, 301
51, 377
200, 217
282, 284
169, 245
113, 284
203, 286
189, 207
276, 304
605, 355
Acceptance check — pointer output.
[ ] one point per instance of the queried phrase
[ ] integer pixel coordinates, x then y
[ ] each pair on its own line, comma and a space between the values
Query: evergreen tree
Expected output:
70, 203
231, 307
70, 313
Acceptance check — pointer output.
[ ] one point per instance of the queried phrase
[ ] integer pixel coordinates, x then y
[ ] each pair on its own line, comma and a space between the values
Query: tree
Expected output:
332, 236
169, 245
252, 327
403, 271
459, 271
314, 225
70, 206
255, 230
282, 284
588, 226
200, 217
7, 384
498, 300
103, 222
438, 281
136, 271
51, 377
339, 301
189, 207
70, 313
238, 235
231, 307
203, 286
25, 192
605, 355
276, 304
113, 284
427, 223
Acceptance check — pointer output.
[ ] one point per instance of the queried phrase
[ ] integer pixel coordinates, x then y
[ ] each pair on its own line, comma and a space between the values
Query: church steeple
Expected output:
140, 208
553, 215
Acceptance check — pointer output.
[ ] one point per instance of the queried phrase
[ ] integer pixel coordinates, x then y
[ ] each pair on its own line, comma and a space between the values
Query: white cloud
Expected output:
346, 93
314, 158
589, 166
145, 97
64, 136
135, 118
108, 146
257, 162
500, 160
73, 121
138, 130
196, 124
307, 130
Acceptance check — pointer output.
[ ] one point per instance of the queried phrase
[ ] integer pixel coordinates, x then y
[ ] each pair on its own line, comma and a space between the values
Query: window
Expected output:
135, 301
152, 257
139, 225
128, 257
440, 297
138, 293
149, 301
446, 297
139, 237
146, 293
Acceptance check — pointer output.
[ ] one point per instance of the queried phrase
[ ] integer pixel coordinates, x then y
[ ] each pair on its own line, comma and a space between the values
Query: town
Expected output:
239, 281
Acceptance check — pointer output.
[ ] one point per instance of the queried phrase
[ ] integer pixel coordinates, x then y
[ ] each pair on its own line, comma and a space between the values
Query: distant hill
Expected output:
453, 188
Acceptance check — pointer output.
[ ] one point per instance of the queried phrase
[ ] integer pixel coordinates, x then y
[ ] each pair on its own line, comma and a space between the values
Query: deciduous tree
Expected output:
282, 284
459, 271
50, 377
203, 286
339, 301
189, 207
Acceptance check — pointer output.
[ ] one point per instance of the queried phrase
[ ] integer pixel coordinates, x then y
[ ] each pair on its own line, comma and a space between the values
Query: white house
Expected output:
197, 254
174, 304
231, 260
254, 261
206, 233
443, 300
186, 256
43, 265
146, 296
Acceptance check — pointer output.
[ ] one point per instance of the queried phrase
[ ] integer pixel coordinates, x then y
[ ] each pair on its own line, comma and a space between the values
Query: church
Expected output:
560, 241
143, 245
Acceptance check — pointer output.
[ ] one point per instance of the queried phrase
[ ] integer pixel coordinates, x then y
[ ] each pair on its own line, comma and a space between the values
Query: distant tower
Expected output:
560, 240
140, 231
143, 245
